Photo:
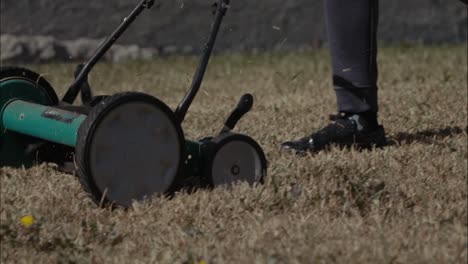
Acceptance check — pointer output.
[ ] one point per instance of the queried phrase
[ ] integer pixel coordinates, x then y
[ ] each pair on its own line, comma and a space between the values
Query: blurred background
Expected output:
45, 30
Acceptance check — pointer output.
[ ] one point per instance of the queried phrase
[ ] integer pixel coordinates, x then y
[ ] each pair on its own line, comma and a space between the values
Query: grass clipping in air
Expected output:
404, 203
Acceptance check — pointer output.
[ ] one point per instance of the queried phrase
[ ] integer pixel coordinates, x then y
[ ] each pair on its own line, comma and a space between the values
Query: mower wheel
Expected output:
129, 147
38, 81
233, 158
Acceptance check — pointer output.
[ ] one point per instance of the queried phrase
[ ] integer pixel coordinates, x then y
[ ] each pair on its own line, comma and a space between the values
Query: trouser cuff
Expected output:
356, 100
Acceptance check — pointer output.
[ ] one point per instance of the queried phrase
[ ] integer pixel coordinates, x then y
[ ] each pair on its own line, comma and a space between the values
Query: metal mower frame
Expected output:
32, 120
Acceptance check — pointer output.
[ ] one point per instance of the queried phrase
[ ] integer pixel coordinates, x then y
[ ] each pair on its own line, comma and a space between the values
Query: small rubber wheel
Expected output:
234, 158
16, 149
129, 147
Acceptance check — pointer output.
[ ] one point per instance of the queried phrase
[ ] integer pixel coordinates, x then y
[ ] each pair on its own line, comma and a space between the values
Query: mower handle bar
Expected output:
75, 87
182, 108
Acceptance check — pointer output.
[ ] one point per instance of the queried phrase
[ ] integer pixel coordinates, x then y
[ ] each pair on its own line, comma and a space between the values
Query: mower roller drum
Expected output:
126, 146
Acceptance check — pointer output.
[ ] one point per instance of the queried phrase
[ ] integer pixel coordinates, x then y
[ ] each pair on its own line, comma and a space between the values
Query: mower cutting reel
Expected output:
126, 146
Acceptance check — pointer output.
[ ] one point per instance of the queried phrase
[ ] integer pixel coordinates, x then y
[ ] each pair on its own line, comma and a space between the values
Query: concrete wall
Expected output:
262, 24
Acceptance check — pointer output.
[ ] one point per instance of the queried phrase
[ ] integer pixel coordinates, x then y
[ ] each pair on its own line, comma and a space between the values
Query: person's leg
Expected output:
352, 38
352, 30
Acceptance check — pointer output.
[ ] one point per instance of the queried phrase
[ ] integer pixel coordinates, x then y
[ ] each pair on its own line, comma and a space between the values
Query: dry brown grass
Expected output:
405, 203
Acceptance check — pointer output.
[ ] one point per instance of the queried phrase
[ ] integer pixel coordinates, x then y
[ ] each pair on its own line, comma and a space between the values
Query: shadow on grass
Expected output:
428, 136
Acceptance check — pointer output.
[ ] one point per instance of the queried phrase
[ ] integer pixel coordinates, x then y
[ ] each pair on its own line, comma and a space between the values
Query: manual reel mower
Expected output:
126, 146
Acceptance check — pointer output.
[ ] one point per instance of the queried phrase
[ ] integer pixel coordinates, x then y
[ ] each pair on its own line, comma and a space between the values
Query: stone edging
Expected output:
46, 48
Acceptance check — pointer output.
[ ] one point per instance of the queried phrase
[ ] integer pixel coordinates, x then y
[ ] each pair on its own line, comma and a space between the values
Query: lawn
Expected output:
404, 203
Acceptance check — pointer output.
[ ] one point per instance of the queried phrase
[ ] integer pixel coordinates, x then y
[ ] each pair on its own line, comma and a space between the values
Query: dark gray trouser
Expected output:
352, 30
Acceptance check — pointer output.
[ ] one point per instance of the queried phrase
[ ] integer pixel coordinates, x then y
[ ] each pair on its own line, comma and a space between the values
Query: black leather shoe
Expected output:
344, 131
